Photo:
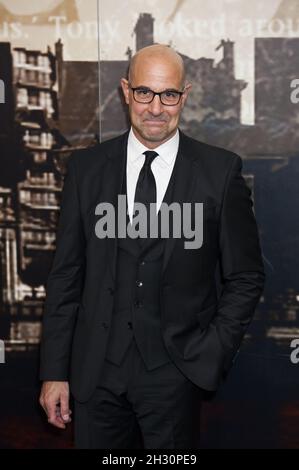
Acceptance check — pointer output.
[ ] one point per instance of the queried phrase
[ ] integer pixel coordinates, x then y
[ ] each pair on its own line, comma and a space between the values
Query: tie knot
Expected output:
149, 157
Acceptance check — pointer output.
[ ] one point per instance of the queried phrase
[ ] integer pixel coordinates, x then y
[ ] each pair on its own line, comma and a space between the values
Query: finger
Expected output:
58, 416
42, 403
58, 411
52, 418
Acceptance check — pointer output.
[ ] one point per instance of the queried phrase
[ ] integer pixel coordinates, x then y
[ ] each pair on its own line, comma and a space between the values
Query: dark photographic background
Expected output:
62, 94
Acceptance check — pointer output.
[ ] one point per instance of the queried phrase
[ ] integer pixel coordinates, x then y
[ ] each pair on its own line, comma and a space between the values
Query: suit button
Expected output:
104, 324
111, 290
142, 262
139, 283
130, 325
138, 304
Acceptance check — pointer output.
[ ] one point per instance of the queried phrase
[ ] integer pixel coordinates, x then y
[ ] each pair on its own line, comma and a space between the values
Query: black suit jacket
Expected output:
202, 330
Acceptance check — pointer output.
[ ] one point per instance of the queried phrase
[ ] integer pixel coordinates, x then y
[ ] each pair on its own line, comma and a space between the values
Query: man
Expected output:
137, 325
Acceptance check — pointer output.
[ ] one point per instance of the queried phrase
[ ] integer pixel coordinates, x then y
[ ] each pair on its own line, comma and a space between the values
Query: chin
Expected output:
154, 135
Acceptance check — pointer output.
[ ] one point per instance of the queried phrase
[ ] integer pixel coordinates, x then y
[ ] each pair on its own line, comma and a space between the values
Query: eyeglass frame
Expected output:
159, 93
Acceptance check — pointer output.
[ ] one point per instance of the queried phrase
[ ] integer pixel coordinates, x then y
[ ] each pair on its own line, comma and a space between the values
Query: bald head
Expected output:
154, 55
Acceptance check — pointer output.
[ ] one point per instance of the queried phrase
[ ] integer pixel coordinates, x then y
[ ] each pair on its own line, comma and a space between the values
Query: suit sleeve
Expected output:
64, 284
241, 263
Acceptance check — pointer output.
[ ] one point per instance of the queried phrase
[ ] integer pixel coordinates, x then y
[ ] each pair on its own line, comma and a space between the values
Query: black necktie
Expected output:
146, 185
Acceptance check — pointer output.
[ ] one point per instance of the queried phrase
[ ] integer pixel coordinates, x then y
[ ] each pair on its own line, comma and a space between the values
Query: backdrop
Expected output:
60, 66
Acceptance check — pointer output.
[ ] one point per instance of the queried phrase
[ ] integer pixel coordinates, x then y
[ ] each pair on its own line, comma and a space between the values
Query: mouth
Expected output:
154, 123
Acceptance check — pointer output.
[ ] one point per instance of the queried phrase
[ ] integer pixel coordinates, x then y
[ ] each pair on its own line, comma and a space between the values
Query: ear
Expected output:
125, 88
187, 89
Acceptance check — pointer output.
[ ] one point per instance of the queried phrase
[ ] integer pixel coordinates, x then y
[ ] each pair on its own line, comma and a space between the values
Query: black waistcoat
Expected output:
137, 301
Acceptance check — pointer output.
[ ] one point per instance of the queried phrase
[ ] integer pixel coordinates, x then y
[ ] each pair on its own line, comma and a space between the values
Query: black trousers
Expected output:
134, 408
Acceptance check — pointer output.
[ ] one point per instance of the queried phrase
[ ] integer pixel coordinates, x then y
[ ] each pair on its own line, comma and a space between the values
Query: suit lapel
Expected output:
112, 187
184, 180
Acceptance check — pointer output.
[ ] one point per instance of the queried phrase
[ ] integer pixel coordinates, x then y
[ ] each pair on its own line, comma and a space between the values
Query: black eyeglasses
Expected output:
145, 95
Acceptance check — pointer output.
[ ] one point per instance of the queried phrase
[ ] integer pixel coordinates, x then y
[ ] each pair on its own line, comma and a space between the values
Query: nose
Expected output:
156, 107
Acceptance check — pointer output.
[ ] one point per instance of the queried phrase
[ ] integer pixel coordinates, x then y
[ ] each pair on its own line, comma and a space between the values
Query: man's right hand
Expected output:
54, 398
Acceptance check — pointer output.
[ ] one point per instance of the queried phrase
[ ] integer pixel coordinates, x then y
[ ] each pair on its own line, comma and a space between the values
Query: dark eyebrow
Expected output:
143, 87
172, 89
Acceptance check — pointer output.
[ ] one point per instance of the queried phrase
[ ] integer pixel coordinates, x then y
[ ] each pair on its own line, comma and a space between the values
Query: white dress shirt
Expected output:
162, 166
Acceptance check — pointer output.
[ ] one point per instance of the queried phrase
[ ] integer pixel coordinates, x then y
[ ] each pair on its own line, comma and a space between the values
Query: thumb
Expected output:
64, 407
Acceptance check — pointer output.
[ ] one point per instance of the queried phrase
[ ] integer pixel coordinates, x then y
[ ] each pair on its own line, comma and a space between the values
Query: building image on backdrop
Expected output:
55, 104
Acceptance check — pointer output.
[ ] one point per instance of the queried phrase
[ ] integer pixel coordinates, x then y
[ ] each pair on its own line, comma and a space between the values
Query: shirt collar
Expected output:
167, 151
